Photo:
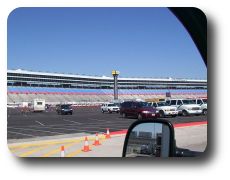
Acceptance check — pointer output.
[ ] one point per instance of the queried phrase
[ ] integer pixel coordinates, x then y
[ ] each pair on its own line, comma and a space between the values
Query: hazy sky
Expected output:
139, 42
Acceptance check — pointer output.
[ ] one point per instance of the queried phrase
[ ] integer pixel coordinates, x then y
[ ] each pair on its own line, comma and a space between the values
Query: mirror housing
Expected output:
150, 138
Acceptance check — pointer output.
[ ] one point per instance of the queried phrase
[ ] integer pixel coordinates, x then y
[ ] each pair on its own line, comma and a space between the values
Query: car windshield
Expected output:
112, 105
205, 101
189, 101
144, 104
162, 104
65, 106
117, 104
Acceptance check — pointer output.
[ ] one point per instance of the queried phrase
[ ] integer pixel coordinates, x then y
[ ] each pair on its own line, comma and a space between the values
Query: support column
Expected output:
115, 87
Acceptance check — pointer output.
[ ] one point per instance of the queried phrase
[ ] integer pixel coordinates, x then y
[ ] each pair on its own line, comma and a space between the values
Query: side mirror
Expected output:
150, 138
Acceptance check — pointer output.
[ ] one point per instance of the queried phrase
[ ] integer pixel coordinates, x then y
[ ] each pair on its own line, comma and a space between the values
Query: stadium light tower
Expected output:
115, 87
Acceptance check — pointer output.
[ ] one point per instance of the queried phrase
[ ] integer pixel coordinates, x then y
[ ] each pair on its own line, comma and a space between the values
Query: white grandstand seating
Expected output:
62, 95
60, 98
16, 93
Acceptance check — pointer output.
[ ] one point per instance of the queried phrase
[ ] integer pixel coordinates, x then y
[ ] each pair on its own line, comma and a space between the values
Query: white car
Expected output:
202, 102
110, 107
185, 107
164, 109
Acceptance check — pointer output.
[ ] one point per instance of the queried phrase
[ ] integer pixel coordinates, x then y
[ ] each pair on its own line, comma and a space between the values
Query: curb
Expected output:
180, 125
190, 124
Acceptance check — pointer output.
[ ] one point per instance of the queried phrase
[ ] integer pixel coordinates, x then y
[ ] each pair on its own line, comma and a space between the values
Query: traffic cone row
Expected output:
86, 147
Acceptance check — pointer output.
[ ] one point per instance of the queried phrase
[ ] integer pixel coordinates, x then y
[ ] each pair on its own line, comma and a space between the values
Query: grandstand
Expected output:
24, 86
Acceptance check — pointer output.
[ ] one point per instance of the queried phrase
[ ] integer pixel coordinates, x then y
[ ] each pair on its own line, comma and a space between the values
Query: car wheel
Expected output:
184, 113
139, 117
205, 112
161, 114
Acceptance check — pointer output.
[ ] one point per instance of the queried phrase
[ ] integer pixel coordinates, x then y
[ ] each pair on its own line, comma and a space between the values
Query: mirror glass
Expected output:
149, 140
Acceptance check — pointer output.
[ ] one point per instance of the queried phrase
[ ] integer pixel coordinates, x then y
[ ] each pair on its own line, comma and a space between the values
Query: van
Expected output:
38, 105
138, 109
185, 107
202, 102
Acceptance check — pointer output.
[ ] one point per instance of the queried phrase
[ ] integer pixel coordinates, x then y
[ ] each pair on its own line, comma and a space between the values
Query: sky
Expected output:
138, 42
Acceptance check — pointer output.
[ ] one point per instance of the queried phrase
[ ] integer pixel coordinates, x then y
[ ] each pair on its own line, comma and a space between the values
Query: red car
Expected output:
140, 110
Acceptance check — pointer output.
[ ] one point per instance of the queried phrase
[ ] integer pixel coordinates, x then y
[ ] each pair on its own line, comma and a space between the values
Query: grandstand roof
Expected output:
21, 71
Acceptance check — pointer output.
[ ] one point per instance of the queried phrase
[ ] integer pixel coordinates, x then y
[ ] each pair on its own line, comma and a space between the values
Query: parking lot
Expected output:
85, 120
44, 134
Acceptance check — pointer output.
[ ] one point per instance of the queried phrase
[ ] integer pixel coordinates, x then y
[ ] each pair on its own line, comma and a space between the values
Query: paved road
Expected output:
193, 138
83, 121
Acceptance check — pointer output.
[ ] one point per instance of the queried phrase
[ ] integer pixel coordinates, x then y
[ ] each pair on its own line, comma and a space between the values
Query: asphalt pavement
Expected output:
45, 134
24, 125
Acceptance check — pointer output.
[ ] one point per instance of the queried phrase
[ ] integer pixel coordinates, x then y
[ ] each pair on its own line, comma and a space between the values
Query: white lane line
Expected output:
86, 125
36, 130
71, 121
39, 123
97, 119
79, 129
32, 126
118, 119
109, 122
12, 132
99, 125
49, 125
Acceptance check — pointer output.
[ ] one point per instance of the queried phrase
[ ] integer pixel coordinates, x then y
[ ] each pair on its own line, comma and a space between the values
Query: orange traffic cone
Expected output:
86, 145
107, 136
62, 151
96, 142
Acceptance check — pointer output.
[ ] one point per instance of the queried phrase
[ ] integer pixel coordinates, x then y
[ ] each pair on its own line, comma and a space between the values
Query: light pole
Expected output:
115, 87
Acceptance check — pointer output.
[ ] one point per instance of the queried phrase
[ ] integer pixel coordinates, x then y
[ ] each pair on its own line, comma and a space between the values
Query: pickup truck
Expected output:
164, 109
110, 107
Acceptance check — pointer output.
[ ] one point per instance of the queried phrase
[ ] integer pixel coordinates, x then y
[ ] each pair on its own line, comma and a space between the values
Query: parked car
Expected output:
202, 102
64, 109
185, 107
164, 109
140, 110
110, 108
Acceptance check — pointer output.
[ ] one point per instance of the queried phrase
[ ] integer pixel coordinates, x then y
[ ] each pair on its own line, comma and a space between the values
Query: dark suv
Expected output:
140, 110
64, 109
